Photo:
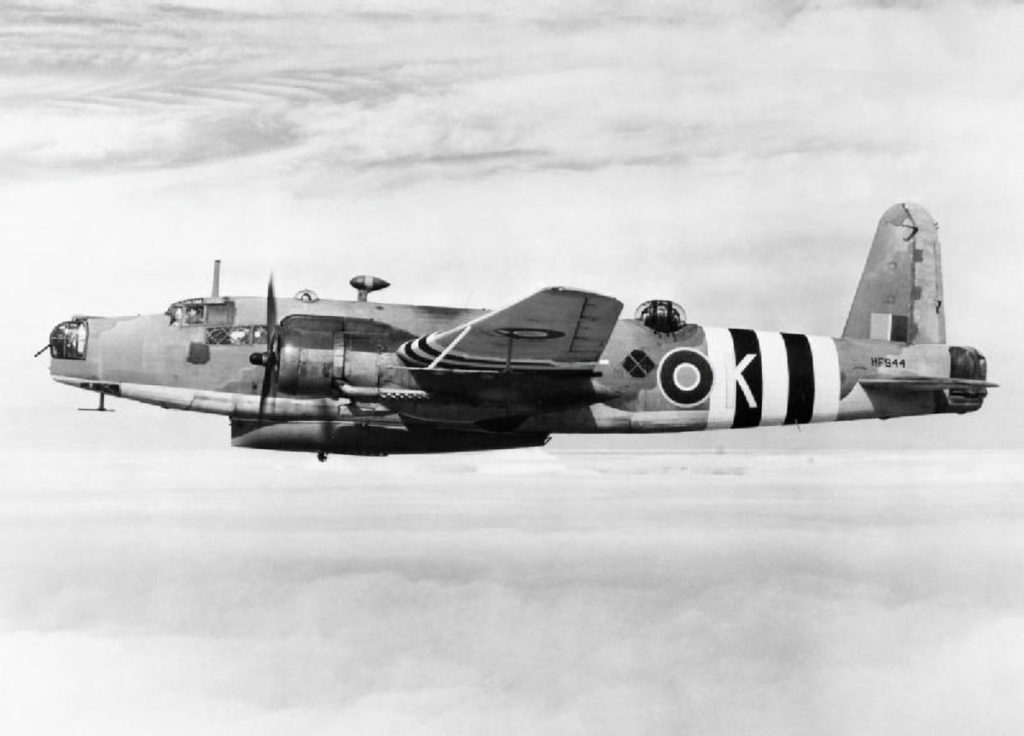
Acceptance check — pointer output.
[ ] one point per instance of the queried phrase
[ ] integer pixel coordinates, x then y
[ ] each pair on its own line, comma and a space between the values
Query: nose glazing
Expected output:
69, 340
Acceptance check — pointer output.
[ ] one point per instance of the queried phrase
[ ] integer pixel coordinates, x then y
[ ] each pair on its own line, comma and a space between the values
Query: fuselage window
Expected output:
236, 335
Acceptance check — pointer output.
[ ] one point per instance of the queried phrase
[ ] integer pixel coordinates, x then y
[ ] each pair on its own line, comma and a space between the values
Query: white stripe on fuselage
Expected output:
826, 378
774, 378
722, 356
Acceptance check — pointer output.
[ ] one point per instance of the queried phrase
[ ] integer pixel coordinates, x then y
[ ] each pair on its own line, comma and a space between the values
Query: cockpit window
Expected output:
186, 314
201, 312
219, 314
68, 340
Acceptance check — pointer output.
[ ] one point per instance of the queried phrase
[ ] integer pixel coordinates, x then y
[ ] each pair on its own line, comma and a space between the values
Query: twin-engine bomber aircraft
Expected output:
364, 378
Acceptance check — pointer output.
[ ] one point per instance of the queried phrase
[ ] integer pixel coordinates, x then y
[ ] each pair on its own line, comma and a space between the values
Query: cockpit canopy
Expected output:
202, 311
661, 316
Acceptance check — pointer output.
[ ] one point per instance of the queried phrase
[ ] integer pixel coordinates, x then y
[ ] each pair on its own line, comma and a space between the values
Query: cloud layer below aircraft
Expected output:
518, 592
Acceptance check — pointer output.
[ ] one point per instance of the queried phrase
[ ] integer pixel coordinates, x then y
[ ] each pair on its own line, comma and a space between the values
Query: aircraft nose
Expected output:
101, 349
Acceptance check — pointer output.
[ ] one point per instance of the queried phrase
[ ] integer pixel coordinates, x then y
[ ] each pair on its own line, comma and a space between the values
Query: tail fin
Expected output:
899, 297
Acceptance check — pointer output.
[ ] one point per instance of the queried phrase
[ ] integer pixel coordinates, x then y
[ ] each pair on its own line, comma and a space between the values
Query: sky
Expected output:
734, 158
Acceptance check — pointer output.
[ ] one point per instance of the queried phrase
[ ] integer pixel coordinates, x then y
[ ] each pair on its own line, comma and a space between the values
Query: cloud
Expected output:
596, 90
255, 594
425, 92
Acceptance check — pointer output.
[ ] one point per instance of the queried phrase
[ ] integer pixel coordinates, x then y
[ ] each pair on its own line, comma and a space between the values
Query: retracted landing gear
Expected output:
321, 456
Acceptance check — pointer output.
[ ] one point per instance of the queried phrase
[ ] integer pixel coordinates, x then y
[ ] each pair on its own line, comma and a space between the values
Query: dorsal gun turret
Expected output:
661, 315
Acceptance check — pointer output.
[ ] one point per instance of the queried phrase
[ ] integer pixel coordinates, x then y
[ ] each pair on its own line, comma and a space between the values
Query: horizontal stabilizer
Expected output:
925, 383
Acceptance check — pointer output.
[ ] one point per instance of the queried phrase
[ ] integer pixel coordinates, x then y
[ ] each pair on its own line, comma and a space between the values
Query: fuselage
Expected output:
696, 378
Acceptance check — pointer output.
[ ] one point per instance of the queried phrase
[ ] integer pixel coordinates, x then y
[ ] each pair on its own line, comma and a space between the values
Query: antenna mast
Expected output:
216, 279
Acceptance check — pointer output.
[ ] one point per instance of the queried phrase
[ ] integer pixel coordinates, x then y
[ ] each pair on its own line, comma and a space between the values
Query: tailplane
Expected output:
899, 297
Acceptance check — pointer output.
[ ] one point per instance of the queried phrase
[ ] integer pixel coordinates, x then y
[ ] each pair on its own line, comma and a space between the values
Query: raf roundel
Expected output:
685, 377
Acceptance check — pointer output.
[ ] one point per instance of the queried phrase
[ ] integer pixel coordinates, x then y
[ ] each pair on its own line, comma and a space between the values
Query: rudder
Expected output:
899, 297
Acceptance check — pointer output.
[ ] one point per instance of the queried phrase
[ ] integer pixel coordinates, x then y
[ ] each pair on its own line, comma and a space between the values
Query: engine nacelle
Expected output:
316, 355
308, 361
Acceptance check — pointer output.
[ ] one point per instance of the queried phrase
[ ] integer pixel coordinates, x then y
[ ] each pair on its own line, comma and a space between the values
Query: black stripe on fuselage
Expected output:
801, 378
744, 345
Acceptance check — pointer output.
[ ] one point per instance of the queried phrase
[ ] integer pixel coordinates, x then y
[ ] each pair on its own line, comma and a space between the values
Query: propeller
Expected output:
269, 358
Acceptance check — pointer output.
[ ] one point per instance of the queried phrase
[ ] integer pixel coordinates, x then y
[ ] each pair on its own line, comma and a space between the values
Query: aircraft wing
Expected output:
555, 330
925, 383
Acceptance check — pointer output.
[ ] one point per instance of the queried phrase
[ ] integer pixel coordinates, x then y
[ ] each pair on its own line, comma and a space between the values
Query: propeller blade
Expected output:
270, 357
271, 311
